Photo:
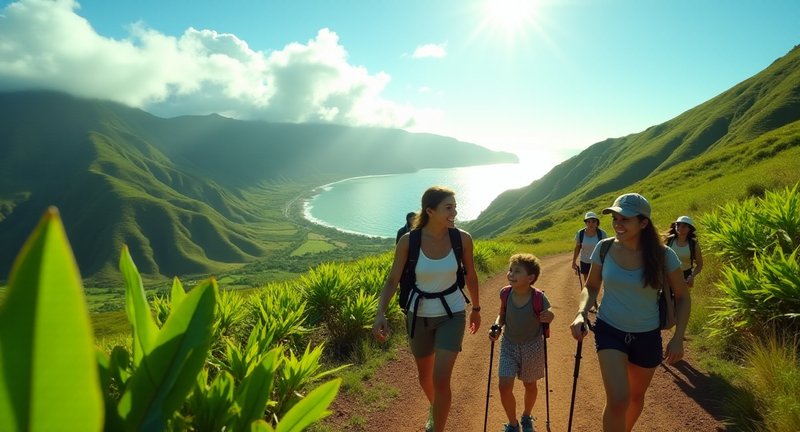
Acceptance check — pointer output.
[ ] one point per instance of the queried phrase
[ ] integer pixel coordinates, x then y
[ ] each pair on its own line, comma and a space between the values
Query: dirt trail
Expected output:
681, 397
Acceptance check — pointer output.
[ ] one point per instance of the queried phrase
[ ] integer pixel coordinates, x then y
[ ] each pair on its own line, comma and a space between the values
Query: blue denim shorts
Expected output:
643, 349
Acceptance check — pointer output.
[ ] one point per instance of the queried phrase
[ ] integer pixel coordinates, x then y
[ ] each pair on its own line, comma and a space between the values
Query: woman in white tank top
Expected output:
438, 333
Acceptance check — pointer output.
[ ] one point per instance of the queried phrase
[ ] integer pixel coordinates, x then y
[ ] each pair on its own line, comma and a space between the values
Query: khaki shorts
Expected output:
437, 333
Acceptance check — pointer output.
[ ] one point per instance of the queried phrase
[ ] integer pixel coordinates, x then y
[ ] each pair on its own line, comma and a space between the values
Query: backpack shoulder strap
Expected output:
504, 293
605, 245
455, 241
458, 250
538, 301
692, 247
600, 234
414, 244
580, 235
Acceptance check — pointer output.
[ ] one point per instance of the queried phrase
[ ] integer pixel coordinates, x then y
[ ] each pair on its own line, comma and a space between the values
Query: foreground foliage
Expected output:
757, 310
53, 378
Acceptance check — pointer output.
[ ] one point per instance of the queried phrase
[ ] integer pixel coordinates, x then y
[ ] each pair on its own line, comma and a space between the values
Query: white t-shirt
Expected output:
684, 254
436, 276
627, 304
588, 245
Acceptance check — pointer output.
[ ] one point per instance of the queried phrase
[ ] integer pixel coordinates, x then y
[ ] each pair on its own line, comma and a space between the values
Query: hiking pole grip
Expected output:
495, 329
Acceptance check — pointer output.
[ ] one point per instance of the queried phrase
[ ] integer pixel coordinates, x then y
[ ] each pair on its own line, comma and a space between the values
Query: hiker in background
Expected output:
585, 241
523, 309
682, 238
435, 325
407, 227
627, 331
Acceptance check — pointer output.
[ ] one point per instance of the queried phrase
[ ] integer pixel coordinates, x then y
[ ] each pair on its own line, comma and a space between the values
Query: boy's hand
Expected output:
546, 316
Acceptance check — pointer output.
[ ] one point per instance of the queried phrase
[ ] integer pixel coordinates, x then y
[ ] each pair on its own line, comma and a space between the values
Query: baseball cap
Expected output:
590, 215
629, 205
685, 219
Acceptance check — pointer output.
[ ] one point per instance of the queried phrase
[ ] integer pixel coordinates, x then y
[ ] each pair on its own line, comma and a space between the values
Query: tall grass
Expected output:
756, 315
758, 241
774, 375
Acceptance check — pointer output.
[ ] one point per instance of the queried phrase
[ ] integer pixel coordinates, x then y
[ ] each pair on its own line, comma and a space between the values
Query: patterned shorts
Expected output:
524, 361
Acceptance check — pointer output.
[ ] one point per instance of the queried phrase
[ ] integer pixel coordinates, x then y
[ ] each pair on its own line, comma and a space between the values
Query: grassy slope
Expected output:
766, 102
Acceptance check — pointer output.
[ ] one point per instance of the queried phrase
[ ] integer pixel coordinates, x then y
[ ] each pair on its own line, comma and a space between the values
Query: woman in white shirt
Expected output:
436, 312
682, 238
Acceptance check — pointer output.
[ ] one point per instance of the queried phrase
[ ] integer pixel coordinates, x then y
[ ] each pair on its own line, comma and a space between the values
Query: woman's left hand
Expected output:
674, 351
474, 321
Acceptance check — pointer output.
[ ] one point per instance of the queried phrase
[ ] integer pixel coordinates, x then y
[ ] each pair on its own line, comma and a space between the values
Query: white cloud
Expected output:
44, 44
430, 51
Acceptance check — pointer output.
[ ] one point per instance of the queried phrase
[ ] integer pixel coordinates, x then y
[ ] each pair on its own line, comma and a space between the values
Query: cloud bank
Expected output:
45, 44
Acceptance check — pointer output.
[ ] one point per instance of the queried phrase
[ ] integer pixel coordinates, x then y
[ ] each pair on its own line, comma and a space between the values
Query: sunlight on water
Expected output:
376, 205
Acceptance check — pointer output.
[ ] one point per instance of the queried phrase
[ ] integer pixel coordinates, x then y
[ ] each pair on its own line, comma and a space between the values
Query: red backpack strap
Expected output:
538, 307
504, 293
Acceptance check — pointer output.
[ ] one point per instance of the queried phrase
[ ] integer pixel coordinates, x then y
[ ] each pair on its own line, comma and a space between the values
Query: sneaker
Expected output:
507, 427
429, 423
527, 423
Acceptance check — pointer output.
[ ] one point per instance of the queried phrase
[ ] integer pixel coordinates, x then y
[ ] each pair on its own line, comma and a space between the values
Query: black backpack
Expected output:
408, 280
600, 235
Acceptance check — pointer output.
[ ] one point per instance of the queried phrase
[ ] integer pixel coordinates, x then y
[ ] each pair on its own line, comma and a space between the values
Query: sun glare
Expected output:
510, 15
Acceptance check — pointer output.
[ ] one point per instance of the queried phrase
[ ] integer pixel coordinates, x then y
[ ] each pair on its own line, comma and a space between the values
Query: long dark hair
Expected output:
652, 254
431, 199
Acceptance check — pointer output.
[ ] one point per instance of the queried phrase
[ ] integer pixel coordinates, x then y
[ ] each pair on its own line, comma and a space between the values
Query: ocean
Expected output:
376, 205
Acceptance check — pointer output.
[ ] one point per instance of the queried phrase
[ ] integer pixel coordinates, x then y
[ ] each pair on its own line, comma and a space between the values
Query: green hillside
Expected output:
189, 195
738, 131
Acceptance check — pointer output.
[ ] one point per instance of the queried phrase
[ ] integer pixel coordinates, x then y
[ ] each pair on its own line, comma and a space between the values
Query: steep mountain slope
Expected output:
769, 101
182, 193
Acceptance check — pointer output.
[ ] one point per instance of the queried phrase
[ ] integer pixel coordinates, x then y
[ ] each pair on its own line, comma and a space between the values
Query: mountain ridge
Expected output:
187, 195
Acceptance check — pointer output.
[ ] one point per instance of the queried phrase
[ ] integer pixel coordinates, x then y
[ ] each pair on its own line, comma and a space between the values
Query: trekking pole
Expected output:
546, 331
494, 330
575, 381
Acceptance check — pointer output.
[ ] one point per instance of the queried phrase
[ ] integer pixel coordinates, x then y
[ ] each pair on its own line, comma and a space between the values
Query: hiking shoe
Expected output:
527, 423
429, 423
507, 427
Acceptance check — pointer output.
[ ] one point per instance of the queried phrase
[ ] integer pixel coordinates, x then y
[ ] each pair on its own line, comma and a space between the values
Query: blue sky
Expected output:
541, 78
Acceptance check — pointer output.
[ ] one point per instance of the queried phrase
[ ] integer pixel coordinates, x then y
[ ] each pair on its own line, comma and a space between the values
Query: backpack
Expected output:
408, 279
537, 305
600, 235
692, 246
666, 308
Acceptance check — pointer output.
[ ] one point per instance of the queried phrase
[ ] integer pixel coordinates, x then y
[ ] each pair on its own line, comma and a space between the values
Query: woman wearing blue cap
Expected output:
634, 266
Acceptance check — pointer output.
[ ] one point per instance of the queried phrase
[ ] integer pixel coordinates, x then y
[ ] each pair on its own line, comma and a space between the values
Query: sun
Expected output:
510, 16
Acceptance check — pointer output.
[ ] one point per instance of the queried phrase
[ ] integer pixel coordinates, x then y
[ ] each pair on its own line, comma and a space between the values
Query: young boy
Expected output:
521, 347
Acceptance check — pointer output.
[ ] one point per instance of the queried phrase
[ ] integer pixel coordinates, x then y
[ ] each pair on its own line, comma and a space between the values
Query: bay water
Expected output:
376, 205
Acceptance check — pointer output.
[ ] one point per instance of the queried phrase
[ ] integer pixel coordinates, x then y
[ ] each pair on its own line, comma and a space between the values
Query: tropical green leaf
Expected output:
312, 408
255, 390
261, 426
168, 372
48, 366
178, 293
144, 328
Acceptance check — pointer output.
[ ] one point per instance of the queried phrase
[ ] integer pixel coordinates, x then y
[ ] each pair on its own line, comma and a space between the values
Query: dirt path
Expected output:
681, 398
